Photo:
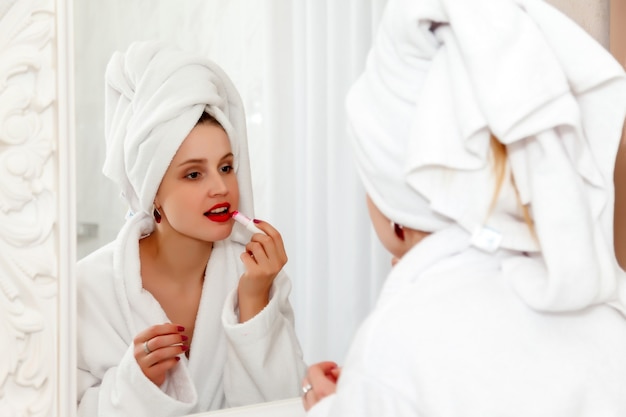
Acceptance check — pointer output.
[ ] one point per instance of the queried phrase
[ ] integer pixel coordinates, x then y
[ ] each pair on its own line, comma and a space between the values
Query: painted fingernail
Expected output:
177, 358
184, 348
256, 221
181, 329
184, 337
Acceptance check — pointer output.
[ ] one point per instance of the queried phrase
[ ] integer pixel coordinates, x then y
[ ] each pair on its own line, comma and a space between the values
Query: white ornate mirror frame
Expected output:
37, 210
37, 229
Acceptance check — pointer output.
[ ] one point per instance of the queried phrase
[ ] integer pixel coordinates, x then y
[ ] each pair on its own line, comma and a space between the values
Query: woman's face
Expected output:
199, 190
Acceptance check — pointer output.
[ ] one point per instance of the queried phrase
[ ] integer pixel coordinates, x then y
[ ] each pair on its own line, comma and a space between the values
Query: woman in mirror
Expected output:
185, 311
485, 133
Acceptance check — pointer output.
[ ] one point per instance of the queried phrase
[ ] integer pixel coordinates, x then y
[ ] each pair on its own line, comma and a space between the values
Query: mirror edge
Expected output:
37, 284
66, 214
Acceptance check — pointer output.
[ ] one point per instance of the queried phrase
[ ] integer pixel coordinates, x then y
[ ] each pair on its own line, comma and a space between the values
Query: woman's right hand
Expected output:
319, 382
157, 348
263, 259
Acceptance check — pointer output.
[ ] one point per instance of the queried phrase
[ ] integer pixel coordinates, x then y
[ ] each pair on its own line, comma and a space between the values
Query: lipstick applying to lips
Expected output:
246, 222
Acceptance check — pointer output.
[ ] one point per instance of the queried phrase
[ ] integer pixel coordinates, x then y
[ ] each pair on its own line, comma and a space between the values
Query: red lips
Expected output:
220, 217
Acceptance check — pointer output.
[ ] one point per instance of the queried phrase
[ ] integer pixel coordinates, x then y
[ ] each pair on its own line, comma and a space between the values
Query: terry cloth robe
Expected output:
450, 337
484, 318
230, 364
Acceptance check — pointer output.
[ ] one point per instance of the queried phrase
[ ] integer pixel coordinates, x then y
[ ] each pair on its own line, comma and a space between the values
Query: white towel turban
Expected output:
445, 74
155, 95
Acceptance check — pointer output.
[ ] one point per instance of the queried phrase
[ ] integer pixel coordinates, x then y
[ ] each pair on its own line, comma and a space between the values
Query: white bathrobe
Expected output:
488, 317
450, 337
230, 364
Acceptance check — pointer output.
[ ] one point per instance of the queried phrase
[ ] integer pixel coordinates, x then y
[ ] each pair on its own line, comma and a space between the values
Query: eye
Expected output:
193, 175
226, 168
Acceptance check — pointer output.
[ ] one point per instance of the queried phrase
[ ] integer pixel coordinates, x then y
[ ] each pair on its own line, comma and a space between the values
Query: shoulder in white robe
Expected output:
450, 337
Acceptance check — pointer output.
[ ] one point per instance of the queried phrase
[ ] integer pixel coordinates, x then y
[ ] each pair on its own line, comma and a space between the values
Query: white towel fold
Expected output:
155, 94
445, 74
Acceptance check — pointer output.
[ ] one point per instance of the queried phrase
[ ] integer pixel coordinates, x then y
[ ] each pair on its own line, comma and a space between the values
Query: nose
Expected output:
217, 186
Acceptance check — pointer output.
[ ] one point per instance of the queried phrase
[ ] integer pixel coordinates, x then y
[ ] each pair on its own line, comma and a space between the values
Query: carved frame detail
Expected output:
37, 231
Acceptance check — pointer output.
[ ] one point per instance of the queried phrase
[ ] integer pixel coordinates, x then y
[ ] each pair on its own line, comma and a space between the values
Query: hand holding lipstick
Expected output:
246, 222
264, 257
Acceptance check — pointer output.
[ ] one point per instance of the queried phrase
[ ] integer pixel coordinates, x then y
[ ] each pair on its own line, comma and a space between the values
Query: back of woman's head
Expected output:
461, 120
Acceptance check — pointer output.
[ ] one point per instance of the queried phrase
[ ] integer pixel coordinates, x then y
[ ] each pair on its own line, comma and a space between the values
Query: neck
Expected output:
176, 255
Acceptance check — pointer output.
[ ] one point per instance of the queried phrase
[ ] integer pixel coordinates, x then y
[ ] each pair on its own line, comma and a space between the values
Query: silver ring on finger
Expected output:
306, 389
146, 348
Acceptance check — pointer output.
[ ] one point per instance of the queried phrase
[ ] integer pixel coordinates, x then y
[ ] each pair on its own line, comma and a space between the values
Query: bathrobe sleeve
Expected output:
371, 386
109, 380
125, 391
264, 356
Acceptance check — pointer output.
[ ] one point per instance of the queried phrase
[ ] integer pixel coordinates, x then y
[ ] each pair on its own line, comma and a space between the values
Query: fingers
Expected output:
158, 329
336, 373
156, 349
309, 399
157, 372
272, 243
271, 232
258, 252
160, 355
158, 337
265, 255
162, 341
263, 259
322, 372
320, 382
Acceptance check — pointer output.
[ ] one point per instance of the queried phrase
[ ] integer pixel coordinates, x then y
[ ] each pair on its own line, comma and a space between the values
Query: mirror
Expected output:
229, 33
293, 77
38, 181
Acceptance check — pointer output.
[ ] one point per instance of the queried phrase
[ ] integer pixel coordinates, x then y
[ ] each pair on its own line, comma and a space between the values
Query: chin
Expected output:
216, 236
208, 235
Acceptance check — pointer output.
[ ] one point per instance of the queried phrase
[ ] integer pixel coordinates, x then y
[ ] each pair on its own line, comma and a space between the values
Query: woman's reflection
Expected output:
185, 311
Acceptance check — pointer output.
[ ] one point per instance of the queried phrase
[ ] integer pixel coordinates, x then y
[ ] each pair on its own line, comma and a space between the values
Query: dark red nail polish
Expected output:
184, 338
177, 358
184, 348
181, 329
256, 221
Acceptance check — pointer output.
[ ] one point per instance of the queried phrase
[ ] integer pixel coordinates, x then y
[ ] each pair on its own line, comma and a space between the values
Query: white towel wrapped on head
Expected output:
155, 95
443, 76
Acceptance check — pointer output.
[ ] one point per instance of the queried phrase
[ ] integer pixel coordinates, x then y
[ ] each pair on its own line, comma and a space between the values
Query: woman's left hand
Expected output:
320, 381
264, 257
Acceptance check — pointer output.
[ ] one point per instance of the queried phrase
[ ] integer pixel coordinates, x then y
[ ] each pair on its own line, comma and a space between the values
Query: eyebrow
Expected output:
203, 160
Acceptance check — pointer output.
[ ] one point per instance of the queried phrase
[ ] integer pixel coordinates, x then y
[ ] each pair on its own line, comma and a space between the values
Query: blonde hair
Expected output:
499, 155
